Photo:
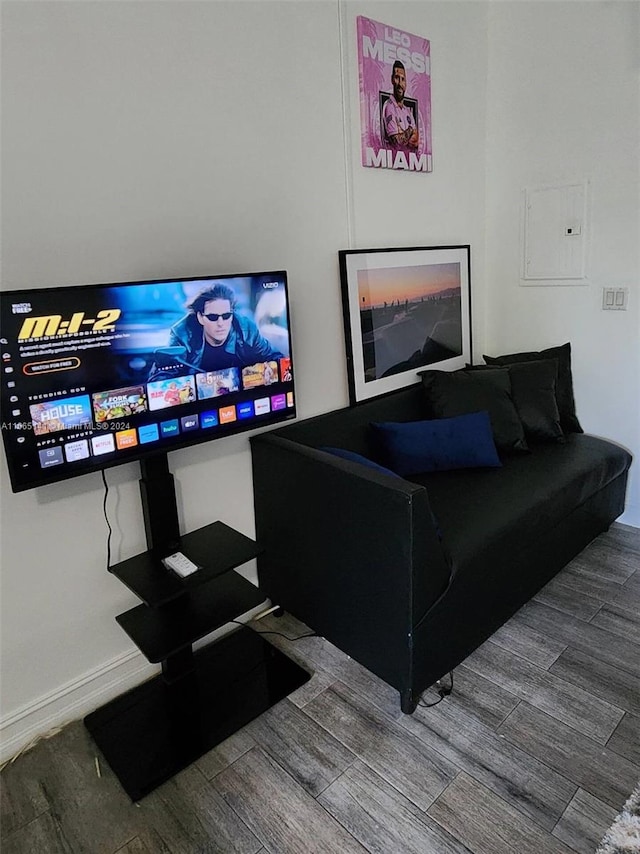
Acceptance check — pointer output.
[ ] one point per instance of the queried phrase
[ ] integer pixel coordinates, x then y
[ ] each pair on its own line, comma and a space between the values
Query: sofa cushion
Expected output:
438, 445
533, 389
451, 393
344, 454
488, 511
351, 427
564, 384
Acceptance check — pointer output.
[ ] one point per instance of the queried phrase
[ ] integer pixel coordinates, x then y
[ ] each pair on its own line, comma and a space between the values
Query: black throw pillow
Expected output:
451, 393
533, 389
564, 383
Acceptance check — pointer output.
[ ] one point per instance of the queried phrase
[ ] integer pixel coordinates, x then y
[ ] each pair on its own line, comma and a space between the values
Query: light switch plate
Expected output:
615, 299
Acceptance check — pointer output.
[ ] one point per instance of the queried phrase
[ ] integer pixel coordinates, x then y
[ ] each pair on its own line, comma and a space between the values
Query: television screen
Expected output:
97, 375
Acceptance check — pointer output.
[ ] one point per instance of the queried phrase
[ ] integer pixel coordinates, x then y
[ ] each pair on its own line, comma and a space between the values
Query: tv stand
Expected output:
200, 698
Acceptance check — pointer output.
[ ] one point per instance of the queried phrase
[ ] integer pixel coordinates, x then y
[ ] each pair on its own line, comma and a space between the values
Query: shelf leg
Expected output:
182, 702
175, 667
159, 505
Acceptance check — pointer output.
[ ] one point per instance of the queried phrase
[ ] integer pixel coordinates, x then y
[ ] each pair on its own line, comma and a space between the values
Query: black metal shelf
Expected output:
217, 548
150, 733
161, 632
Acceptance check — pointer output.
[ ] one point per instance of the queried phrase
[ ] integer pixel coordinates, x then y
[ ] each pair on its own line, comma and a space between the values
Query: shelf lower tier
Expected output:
155, 730
161, 632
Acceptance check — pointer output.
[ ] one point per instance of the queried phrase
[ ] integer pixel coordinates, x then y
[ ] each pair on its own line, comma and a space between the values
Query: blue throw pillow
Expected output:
416, 447
358, 458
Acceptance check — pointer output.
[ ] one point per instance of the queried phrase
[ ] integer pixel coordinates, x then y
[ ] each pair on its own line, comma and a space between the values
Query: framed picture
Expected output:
404, 310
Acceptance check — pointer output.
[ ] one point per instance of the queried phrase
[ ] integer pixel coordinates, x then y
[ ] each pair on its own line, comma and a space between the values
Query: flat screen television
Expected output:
98, 375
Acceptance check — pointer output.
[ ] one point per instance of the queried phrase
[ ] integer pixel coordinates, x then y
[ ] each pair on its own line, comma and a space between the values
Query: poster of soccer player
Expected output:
395, 97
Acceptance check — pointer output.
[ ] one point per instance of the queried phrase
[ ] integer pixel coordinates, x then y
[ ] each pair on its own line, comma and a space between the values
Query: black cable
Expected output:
443, 691
106, 518
431, 705
300, 637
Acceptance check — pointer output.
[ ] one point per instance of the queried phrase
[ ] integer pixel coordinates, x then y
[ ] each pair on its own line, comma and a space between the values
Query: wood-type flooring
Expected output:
535, 751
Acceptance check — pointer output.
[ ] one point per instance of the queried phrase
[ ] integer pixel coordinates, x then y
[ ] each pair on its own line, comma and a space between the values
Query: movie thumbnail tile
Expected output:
263, 373
165, 393
215, 383
63, 414
286, 372
119, 403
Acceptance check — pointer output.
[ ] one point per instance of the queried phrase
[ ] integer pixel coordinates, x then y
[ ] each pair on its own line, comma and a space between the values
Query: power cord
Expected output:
443, 691
106, 518
237, 622
280, 634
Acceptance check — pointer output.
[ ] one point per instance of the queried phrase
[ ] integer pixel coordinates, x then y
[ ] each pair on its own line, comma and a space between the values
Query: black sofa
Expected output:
409, 576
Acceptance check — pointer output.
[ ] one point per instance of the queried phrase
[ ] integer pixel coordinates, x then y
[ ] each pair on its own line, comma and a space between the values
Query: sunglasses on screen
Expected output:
225, 316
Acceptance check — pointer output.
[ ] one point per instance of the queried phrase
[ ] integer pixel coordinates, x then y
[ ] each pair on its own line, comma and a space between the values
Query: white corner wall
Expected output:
145, 140
563, 104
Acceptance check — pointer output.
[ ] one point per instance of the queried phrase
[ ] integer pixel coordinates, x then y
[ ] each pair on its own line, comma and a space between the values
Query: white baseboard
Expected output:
80, 696
72, 701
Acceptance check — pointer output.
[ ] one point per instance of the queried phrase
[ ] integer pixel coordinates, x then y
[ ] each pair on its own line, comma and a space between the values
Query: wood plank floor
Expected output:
534, 753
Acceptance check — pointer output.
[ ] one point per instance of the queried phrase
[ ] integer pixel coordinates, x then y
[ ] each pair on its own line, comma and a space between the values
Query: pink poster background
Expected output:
379, 46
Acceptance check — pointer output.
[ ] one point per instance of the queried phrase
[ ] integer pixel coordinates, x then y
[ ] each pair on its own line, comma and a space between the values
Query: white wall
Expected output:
145, 140
563, 104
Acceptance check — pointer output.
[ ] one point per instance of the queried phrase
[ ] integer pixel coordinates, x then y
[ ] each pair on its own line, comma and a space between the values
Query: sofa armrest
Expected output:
351, 551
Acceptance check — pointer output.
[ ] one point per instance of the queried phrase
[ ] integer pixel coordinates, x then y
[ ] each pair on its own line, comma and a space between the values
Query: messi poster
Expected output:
395, 97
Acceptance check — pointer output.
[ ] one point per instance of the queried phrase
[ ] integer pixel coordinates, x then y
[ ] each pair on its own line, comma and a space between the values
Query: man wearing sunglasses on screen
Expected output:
213, 336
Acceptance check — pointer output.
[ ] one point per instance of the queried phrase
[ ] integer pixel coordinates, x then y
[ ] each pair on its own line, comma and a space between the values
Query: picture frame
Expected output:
394, 71
405, 310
